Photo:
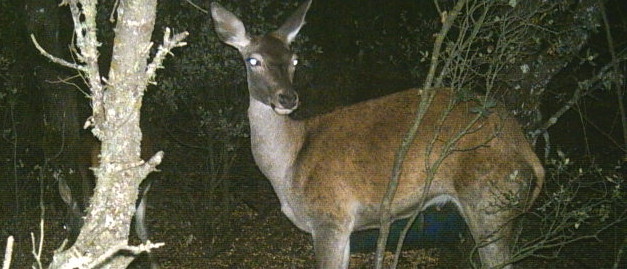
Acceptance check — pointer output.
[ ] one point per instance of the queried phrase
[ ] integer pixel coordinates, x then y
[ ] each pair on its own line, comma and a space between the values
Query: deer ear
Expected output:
290, 28
230, 29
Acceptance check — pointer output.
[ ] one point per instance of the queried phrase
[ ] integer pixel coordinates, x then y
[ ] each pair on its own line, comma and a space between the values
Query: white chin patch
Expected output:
282, 111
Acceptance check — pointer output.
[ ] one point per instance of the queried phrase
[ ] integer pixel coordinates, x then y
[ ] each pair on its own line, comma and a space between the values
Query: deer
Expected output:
90, 157
330, 172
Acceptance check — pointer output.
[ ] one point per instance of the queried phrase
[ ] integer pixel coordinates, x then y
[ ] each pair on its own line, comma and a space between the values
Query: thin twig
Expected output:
34, 251
134, 250
55, 59
8, 253
604, 133
197, 6
617, 83
113, 11
427, 97
589, 85
620, 253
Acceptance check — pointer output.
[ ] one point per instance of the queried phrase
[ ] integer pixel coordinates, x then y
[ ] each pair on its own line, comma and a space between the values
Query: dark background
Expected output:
351, 51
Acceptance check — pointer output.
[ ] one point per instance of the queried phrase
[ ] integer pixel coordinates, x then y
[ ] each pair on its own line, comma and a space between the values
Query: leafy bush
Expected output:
580, 201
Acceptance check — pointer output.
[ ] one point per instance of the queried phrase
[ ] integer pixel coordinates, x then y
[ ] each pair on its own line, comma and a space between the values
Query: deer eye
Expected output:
295, 62
253, 61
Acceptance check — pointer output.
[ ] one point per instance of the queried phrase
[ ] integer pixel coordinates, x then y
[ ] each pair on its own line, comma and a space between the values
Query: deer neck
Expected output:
276, 141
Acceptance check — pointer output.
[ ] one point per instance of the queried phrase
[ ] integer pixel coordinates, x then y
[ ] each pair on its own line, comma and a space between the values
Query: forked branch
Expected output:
169, 42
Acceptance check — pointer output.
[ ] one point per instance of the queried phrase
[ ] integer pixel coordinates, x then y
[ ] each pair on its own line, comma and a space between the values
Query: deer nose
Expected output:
288, 100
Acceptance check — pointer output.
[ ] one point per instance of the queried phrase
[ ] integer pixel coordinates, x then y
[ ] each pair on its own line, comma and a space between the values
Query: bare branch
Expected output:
169, 42
8, 253
38, 248
80, 261
134, 250
428, 94
447, 22
588, 85
620, 253
86, 45
618, 84
151, 165
55, 59
197, 7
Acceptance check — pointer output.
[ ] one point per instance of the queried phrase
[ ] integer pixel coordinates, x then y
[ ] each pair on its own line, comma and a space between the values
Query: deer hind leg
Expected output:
491, 233
331, 246
490, 212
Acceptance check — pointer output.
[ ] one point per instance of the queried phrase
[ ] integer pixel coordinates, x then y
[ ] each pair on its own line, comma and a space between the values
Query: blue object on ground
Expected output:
441, 225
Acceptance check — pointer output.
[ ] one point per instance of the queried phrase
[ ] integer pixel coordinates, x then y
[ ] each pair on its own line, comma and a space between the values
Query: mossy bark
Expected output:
116, 123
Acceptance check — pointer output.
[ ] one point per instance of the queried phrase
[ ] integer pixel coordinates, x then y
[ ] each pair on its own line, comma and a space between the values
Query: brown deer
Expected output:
331, 172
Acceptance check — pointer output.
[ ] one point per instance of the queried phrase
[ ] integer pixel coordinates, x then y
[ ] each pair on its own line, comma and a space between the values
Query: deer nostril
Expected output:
288, 100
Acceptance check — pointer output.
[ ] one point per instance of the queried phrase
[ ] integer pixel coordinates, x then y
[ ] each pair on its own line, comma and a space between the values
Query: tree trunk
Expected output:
115, 122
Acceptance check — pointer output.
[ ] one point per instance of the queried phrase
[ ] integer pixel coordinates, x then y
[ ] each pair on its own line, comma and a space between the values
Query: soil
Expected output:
245, 229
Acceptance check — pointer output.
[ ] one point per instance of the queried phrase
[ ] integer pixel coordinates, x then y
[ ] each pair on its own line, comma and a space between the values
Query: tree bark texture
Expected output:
121, 169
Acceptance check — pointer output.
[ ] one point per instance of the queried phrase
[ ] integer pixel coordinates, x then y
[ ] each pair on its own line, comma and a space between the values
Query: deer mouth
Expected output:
282, 110
285, 103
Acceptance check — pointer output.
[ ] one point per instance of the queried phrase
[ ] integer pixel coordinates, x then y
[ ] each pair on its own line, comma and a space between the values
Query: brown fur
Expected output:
331, 172
350, 152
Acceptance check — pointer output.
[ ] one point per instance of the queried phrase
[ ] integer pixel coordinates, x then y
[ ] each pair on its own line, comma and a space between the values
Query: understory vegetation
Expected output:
559, 67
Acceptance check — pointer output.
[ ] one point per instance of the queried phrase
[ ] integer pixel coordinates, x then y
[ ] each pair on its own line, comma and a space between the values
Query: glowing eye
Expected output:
295, 62
253, 61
